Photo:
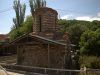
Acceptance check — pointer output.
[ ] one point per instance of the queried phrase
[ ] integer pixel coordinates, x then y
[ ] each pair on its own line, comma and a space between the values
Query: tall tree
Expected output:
75, 32
90, 43
34, 4
20, 13
26, 27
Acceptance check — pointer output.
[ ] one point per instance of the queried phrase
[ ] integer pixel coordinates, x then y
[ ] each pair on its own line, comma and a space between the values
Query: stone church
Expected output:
45, 46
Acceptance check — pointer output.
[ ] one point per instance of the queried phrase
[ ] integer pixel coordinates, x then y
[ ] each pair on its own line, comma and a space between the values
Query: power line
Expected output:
5, 10
65, 10
8, 9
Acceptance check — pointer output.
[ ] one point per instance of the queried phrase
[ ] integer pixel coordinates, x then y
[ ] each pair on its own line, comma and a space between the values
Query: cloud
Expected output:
98, 14
66, 16
87, 18
0, 32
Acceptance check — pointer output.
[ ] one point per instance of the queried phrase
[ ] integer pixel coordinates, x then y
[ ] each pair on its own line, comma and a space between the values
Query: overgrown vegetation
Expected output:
34, 4
20, 26
20, 14
90, 61
26, 27
90, 43
86, 36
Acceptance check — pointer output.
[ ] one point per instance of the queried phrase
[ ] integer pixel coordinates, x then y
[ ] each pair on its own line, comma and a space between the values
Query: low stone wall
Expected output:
24, 68
41, 70
39, 56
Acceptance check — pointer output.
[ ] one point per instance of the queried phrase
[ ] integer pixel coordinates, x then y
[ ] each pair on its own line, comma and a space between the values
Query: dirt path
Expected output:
12, 60
12, 73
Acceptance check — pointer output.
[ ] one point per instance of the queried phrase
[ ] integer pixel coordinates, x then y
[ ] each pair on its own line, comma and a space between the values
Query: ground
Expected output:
8, 59
12, 60
17, 73
10, 73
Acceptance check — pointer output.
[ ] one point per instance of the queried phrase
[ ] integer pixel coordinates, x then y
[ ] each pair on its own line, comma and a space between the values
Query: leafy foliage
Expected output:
95, 25
20, 13
34, 4
75, 29
90, 61
63, 24
20, 27
75, 33
90, 43
26, 27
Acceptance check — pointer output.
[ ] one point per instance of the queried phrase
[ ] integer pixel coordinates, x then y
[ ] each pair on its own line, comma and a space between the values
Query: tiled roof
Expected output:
46, 40
35, 36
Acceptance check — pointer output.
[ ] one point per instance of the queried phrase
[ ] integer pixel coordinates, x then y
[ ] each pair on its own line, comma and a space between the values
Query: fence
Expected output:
51, 71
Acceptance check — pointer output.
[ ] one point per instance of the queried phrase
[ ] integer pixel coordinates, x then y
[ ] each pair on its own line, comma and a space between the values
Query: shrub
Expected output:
90, 62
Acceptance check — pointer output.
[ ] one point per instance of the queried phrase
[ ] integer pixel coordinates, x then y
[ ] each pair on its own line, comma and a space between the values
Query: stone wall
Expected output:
40, 53
57, 53
45, 19
37, 55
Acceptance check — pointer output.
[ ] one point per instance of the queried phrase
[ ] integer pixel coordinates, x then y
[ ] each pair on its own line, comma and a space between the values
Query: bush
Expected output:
90, 43
26, 27
90, 62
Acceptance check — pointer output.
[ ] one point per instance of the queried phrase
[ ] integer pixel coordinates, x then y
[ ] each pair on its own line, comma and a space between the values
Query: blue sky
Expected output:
68, 9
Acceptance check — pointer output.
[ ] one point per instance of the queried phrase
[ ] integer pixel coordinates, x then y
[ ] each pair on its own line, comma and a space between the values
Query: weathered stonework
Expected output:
45, 19
37, 54
43, 47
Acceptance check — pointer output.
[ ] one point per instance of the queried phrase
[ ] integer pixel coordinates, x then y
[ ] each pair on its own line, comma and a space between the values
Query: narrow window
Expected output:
40, 23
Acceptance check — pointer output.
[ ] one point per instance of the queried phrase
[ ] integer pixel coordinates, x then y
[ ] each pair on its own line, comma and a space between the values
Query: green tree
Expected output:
34, 4
14, 34
26, 27
20, 13
75, 32
90, 43
75, 29
90, 61
95, 25
63, 24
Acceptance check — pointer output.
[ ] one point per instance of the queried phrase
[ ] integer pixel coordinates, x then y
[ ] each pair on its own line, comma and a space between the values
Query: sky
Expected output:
88, 10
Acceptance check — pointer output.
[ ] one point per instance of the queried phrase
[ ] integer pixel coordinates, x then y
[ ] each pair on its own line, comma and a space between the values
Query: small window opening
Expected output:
40, 24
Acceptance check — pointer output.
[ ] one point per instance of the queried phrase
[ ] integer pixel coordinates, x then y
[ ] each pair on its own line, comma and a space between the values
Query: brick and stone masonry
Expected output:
42, 47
